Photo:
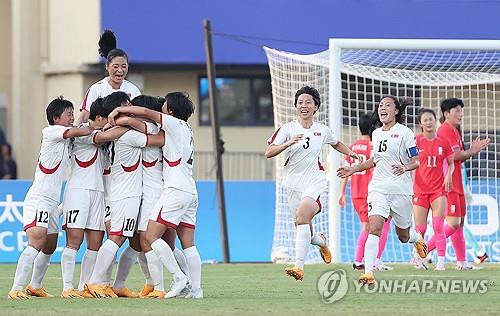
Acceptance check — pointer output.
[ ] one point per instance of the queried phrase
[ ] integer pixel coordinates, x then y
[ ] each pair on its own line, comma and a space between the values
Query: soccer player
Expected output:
391, 188
359, 192
302, 141
430, 185
456, 206
116, 67
42, 198
178, 202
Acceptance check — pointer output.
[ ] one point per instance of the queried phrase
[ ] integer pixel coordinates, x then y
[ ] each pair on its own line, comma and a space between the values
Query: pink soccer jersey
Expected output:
360, 180
453, 137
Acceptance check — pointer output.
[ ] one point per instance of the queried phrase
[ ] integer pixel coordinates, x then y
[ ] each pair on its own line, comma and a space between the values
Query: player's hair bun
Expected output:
107, 42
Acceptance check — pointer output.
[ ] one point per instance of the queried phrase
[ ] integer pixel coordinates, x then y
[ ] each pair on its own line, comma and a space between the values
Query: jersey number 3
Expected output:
306, 145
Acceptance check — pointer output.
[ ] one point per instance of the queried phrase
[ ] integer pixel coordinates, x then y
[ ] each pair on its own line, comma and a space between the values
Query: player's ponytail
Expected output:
401, 116
107, 46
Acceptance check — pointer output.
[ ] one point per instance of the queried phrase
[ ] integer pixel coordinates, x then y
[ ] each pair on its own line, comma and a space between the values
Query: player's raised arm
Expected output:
274, 150
110, 135
134, 110
134, 123
78, 132
475, 147
346, 171
342, 148
157, 140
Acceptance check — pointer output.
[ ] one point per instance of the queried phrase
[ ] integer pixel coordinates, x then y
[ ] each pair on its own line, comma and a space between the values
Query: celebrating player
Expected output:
391, 188
304, 176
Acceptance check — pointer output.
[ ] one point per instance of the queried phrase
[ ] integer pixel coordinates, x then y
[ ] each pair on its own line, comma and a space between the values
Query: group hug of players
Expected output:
130, 159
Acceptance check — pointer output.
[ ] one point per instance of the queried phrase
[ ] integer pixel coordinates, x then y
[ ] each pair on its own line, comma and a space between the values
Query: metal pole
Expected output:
218, 144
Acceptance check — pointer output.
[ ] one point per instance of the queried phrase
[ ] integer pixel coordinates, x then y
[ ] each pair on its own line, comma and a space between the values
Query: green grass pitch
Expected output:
264, 289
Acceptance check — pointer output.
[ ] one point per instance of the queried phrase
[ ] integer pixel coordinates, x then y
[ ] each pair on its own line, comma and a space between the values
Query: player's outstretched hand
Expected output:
344, 172
294, 140
479, 144
398, 169
353, 155
112, 116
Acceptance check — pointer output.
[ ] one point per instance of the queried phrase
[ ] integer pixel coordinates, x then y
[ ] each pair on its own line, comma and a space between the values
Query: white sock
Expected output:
181, 261
68, 259
318, 240
104, 260
40, 268
414, 236
440, 261
378, 262
194, 263
302, 242
24, 267
143, 263
109, 272
127, 260
163, 251
156, 269
371, 251
87, 266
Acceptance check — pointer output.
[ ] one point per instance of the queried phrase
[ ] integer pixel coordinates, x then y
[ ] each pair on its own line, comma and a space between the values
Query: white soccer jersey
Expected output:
52, 164
178, 154
125, 179
152, 166
390, 148
102, 89
86, 164
304, 160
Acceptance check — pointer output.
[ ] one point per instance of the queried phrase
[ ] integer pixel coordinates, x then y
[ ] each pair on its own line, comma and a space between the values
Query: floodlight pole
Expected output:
217, 142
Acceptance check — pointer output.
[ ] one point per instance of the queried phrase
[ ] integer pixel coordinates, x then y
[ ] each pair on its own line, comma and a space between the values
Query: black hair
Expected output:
147, 102
400, 106
308, 90
56, 108
422, 111
107, 47
179, 103
9, 148
112, 101
96, 109
365, 123
448, 104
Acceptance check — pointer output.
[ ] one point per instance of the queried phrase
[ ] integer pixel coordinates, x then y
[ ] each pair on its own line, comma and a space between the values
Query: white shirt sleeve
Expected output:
91, 95
135, 138
329, 137
280, 136
55, 132
410, 143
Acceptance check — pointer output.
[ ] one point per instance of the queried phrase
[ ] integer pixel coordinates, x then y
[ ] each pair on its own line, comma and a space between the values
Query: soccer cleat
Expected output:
467, 266
18, 295
421, 248
295, 272
146, 289
41, 292
177, 286
155, 294
439, 267
324, 251
358, 266
125, 292
481, 259
382, 267
367, 278
71, 293
85, 293
100, 290
195, 294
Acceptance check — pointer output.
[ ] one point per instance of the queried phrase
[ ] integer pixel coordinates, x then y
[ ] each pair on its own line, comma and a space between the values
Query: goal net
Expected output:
351, 79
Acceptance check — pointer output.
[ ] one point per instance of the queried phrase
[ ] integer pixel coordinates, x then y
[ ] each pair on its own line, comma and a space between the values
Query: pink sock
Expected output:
360, 247
421, 229
383, 237
439, 235
458, 242
448, 231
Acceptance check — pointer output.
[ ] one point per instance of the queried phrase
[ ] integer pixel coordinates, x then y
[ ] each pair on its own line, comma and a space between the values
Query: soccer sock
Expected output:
317, 240
40, 268
440, 261
181, 261
302, 242
127, 260
448, 231
166, 256
194, 264
87, 266
156, 270
104, 260
439, 236
383, 238
143, 263
421, 229
371, 250
458, 242
23, 269
68, 258
360, 247
109, 272
414, 236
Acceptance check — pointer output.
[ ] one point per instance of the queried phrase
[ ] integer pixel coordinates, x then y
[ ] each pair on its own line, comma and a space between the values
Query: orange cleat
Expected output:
41, 292
295, 272
18, 295
146, 289
71, 293
367, 278
125, 292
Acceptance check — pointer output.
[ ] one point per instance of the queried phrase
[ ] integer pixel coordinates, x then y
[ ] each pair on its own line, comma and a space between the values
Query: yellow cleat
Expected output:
421, 248
41, 292
156, 294
146, 289
18, 295
324, 251
295, 272
71, 293
100, 290
125, 292
367, 278
85, 293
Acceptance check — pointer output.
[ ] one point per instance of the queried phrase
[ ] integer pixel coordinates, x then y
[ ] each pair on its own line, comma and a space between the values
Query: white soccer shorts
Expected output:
316, 193
399, 207
83, 209
42, 212
124, 214
147, 206
176, 207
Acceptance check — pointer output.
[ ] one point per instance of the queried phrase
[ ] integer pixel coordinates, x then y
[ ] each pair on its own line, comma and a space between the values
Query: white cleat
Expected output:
439, 267
383, 267
467, 266
195, 294
177, 286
